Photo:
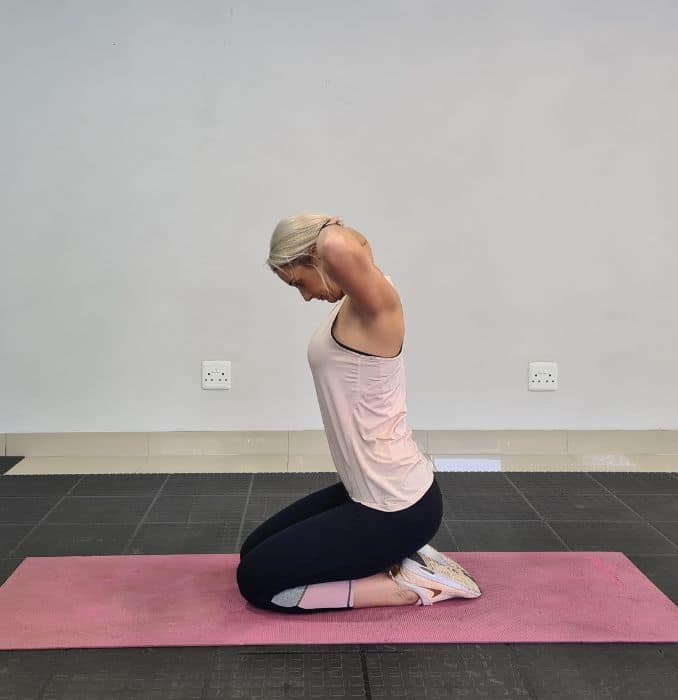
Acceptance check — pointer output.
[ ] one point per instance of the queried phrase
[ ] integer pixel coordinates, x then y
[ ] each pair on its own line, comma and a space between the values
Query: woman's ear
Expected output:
313, 252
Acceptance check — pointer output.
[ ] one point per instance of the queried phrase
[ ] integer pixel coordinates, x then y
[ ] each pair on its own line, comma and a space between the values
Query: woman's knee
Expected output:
252, 581
244, 579
244, 549
251, 541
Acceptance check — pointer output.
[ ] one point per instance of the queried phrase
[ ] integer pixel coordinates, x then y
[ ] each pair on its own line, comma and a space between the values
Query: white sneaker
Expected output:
430, 565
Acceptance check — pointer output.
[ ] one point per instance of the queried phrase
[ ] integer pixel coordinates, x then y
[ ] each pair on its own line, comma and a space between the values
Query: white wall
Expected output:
149, 148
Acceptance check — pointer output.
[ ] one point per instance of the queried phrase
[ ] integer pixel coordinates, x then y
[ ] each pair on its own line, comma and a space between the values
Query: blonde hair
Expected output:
293, 239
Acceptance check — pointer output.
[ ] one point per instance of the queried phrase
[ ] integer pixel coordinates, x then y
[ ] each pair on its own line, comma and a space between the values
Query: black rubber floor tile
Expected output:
569, 481
101, 674
22, 509
636, 482
654, 507
11, 535
311, 673
263, 506
207, 484
503, 536
295, 484
597, 671
119, 485
578, 505
443, 540
431, 671
671, 653
201, 538
443, 671
669, 530
479, 505
37, 485
100, 509
197, 509
629, 538
57, 540
468, 482
661, 570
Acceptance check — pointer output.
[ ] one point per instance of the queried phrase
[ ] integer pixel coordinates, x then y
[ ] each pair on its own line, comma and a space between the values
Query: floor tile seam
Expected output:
144, 516
522, 673
365, 672
522, 495
244, 513
204, 695
44, 517
455, 542
657, 530
48, 681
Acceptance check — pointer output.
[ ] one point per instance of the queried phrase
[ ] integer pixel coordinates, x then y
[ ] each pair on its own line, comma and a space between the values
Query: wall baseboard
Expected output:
607, 443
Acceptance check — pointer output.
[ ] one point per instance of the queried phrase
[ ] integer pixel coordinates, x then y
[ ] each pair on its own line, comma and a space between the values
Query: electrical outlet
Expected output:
216, 374
543, 376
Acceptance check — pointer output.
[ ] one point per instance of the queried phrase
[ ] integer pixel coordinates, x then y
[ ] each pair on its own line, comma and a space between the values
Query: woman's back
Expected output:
362, 400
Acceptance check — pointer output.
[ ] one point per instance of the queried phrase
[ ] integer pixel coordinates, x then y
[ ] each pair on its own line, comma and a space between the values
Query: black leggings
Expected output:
326, 536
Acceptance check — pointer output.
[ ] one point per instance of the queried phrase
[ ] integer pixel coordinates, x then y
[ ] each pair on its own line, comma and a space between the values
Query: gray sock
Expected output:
289, 597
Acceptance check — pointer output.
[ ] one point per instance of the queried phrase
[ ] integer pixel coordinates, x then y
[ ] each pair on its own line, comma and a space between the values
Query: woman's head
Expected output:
294, 258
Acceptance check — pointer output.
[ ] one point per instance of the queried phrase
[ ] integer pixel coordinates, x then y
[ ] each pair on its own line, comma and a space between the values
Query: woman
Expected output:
351, 545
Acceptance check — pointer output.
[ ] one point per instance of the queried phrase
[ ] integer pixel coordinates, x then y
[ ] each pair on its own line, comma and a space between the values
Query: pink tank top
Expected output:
362, 401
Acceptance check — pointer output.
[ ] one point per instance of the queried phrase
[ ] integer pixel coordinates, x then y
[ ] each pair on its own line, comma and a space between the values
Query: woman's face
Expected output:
309, 284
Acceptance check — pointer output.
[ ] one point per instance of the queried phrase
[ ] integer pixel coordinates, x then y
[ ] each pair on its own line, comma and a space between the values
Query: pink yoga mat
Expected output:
193, 600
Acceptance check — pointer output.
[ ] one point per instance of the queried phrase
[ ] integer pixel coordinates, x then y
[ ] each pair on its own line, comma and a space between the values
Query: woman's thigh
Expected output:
317, 502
